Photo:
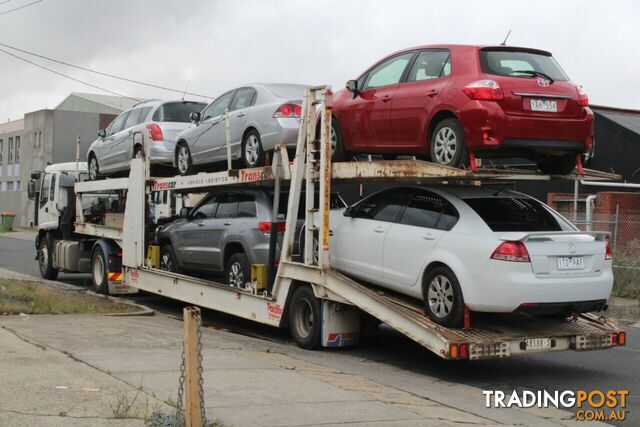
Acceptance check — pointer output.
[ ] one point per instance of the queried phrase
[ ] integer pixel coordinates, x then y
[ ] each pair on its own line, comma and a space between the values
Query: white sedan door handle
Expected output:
428, 236
379, 229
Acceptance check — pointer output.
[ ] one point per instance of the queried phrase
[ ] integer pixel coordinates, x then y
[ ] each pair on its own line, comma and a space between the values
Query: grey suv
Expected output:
227, 231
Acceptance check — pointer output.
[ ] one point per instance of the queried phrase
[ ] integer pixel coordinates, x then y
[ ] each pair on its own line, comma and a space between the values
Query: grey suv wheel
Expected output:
238, 270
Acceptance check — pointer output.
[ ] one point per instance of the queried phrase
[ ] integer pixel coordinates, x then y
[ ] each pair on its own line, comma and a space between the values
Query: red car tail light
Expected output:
265, 227
608, 252
511, 251
155, 132
287, 111
583, 99
484, 90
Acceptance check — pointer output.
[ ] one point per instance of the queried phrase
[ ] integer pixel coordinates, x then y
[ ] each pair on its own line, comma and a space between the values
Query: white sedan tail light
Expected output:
511, 251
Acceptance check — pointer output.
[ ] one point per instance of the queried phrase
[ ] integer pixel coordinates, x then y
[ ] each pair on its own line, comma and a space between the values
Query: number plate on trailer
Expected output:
571, 263
544, 105
537, 344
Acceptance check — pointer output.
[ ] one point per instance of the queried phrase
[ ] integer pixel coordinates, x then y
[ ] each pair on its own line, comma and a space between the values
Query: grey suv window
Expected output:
228, 207
243, 98
383, 206
429, 210
247, 206
207, 209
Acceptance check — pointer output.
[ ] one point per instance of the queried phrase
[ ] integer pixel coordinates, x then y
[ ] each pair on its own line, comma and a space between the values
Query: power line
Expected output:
18, 8
69, 77
5, 1
105, 74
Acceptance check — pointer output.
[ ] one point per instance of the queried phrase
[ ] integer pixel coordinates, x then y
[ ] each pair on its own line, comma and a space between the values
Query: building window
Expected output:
10, 153
1, 150
17, 153
39, 139
17, 185
3, 186
9, 185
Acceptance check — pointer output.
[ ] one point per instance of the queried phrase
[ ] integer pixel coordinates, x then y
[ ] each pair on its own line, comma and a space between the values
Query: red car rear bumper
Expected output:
488, 128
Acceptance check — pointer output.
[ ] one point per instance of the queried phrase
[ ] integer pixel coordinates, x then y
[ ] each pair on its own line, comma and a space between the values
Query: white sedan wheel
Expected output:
440, 296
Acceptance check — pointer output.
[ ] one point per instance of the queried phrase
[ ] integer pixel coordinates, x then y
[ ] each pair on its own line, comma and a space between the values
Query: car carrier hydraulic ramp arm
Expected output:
320, 305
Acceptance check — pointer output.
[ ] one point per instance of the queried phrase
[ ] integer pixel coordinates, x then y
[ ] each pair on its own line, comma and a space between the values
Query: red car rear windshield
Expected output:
521, 64
514, 214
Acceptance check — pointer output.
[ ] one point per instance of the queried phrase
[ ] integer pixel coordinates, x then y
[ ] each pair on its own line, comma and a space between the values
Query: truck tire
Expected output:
99, 271
238, 270
443, 299
45, 258
305, 318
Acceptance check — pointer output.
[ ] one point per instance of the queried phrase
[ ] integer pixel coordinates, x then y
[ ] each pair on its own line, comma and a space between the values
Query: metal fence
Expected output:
625, 243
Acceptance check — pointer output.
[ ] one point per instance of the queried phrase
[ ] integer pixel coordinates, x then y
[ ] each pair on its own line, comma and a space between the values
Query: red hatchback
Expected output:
447, 101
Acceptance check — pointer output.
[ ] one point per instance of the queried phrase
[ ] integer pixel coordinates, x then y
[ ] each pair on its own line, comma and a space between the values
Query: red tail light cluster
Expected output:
583, 99
511, 251
288, 111
484, 90
265, 227
155, 132
608, 252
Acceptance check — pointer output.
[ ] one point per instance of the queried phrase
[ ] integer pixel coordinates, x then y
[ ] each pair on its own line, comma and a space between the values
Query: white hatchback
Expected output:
488, 249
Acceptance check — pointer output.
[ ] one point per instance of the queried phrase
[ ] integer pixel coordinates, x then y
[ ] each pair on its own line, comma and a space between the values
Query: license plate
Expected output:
571, 263
544, 105
537, 344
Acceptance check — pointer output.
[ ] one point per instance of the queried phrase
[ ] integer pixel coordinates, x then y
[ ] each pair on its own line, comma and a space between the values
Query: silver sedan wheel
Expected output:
446, 145
93, 168
183, 159
440, 296
236, 276
252, 149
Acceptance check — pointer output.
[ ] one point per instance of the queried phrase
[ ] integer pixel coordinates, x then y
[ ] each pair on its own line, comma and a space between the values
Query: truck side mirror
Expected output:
102, 133
184, 213
31, 189
195, 117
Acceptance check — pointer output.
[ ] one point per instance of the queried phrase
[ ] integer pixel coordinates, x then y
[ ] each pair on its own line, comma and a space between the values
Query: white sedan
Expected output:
489, 249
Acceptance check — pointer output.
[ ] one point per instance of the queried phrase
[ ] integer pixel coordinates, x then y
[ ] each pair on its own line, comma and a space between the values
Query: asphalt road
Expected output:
616, 369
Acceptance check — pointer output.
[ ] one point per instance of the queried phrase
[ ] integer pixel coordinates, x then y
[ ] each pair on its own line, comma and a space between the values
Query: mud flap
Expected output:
340, 325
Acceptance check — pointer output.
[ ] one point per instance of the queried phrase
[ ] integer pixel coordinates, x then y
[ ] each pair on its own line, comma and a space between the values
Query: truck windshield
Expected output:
520, 64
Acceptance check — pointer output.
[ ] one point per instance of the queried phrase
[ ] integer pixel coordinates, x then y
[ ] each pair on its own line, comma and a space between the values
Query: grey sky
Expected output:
217, 45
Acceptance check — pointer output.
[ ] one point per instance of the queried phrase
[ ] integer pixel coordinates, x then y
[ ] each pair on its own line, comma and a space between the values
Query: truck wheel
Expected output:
168, 260
45, 258
99, 271
304, 318
238, 270
443, 299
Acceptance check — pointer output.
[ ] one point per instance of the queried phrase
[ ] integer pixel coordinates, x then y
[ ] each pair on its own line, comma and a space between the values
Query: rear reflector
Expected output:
288, 110
265, 227
511, 251
484, 90
622, 338
608, 252
155, 132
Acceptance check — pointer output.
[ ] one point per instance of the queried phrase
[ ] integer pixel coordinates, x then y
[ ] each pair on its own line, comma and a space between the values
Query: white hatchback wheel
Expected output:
93, 168
446, 145
440, 296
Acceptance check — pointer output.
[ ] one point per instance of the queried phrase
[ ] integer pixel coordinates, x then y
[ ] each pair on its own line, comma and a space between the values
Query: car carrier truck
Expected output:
105, 228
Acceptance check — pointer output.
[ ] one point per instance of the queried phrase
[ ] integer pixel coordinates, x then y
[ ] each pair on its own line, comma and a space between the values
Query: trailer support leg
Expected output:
467, 318
579, 166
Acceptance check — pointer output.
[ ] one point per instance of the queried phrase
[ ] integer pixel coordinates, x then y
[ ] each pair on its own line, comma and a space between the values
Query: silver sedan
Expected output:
261, 116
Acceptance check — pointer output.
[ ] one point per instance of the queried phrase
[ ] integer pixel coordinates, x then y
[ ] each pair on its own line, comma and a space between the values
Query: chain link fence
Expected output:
625, 243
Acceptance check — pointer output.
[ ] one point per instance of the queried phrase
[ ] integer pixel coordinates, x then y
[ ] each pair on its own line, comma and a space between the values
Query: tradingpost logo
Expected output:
591, 405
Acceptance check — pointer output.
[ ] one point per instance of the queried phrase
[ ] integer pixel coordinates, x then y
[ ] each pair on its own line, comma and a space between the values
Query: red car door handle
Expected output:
386, 98
431, 93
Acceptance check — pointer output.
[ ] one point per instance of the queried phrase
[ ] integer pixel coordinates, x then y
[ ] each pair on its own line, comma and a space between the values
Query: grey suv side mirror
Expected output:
102, 133
195, 117
184, 213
